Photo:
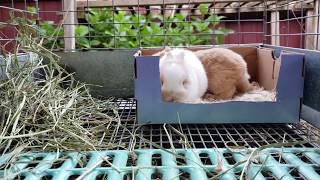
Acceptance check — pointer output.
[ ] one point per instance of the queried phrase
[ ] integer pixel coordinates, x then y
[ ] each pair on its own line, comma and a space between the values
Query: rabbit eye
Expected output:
161, 80
185, 83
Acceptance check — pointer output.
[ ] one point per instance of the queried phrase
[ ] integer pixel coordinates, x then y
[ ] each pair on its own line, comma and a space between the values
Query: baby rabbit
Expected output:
183, 78
226, 72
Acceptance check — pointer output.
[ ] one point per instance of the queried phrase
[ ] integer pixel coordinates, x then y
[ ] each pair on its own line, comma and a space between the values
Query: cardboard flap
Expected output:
268, 69
276, 71
150, 52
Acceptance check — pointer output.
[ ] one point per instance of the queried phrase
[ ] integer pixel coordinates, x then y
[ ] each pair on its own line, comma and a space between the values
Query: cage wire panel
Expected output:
94, 24
207, 135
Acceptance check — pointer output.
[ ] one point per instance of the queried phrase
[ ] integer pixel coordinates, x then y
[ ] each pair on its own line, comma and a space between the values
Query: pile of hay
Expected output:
42, 107
41, 114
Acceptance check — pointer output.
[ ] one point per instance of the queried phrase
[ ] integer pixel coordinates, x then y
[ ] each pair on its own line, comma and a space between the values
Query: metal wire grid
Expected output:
301, 17
287, 18
205, 135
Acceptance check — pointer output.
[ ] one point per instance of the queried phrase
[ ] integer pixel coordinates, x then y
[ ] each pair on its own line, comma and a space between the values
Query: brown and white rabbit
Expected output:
226, 72
183, 77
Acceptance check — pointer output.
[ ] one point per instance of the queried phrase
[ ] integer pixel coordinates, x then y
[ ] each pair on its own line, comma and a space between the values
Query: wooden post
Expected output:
310, 27
313, 26
69, 15
316, 25
275, 28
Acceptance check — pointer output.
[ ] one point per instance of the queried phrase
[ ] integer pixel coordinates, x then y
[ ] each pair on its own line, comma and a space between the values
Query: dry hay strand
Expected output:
42, 107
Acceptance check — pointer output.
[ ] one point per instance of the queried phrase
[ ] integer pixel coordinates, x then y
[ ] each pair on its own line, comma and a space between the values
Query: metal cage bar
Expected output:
238, 17
208, 135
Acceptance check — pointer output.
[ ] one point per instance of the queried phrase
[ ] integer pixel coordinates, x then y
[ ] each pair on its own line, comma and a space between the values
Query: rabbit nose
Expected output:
167, 96
170, 98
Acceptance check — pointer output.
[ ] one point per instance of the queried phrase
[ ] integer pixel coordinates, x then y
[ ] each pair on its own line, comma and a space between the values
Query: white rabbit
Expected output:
183, 77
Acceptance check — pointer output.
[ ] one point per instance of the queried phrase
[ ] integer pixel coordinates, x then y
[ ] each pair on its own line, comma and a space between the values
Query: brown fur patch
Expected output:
227, 72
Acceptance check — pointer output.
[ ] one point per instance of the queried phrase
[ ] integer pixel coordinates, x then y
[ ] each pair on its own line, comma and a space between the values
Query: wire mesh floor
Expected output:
134, 136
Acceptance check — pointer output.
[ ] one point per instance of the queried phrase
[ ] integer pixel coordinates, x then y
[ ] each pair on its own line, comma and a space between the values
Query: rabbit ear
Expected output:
164, 52
167, 49
181, 56
169, 54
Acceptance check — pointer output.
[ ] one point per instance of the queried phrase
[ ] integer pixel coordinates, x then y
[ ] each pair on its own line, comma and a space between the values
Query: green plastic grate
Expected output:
271, 163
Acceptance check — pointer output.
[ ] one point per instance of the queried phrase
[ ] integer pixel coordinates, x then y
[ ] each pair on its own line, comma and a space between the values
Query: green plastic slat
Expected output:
303, 168
169, 161
303, 160
279, 171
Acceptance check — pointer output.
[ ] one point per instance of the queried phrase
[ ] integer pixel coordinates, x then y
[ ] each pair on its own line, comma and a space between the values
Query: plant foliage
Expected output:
108, 29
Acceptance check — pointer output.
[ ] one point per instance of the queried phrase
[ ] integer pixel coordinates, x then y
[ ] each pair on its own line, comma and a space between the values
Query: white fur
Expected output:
178, 65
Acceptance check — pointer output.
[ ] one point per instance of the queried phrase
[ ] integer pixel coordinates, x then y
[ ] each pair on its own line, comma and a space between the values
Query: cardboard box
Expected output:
285, 75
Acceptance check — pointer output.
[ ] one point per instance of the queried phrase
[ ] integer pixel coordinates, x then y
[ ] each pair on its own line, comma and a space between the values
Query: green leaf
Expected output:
119, 17
180, 16
46, 28
95, 43
82, 42
106, 45
132, 32
214, 19
117, 26
156, 28
124, 27
133, 44
107, 32
121, 13
81, 30
203, 9
32, 9
201, 26
135, 19
144, 30
94, 12
149, 30
195, 40
225, 31
92, 19
219, 39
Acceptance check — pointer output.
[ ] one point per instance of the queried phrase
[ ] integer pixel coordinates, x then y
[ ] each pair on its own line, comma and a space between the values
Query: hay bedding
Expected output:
40, 114
43, 107
258, 94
